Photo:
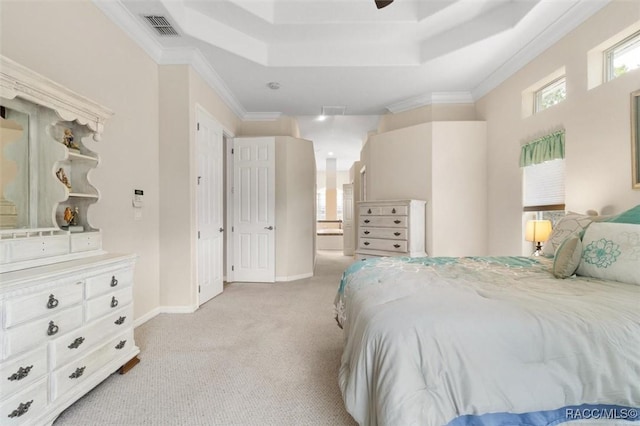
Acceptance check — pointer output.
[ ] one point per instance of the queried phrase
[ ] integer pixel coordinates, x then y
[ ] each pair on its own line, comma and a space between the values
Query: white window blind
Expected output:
544, 183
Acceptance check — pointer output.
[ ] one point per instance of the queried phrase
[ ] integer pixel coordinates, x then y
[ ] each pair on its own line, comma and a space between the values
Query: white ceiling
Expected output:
348, 53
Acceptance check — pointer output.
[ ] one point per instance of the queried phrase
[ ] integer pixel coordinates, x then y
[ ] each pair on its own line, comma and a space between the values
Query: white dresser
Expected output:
65, 328
66, 306
391, 228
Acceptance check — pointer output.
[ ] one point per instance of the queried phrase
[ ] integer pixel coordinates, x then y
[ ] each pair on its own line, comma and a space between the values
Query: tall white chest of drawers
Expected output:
391, 228
65, 328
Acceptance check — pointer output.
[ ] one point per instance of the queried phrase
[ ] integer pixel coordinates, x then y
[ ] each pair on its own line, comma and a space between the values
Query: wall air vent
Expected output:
333, 110
161, 25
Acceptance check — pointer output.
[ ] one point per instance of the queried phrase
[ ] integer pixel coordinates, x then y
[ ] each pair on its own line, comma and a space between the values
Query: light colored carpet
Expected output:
258, 354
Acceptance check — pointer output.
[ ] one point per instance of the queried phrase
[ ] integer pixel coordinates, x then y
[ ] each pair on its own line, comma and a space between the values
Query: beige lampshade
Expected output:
538, 230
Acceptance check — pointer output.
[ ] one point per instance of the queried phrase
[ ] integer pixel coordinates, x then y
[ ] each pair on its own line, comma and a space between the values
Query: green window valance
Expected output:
546, 148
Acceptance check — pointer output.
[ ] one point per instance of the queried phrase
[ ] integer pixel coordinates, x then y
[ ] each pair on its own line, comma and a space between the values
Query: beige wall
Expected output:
426, 114
597, 124
295, 208
284, 126
77, 46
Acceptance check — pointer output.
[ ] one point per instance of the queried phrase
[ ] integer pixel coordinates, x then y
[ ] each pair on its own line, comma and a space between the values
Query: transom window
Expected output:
551, 94
622, 57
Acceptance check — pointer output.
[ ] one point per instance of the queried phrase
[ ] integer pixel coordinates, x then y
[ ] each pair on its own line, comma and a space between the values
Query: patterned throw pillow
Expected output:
611, 251
570, 225
567, 258
630, 216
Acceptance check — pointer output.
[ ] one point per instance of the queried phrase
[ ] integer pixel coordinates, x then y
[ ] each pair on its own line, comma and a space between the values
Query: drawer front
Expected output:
76, 372
386, 233
36, 248
80, 341
369, 210
109, 281
394, 210
85, 241
24, 337
387, 245
25, 407
19, 310
107, 303
20, 372
385, 221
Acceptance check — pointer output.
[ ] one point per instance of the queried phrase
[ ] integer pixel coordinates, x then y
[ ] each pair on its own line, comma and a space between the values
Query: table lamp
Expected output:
538, 231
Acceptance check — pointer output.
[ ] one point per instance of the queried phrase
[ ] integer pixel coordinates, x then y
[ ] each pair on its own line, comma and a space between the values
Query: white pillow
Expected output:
611, 251
568, 226
567, 258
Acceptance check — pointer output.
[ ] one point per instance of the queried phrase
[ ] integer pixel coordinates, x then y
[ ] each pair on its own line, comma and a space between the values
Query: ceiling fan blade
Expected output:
383, 3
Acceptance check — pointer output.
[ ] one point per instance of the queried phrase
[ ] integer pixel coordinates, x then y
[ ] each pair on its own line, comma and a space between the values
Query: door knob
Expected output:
270, 228
221, 229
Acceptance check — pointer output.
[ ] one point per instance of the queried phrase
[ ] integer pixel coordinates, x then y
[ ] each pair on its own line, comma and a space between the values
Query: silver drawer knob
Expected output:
22, 409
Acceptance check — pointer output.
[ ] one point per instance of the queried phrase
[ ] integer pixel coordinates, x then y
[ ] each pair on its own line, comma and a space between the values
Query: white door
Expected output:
348, 231
254, 209
209, 154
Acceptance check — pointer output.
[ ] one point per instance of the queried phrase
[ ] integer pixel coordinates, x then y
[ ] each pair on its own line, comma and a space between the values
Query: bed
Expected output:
497, 340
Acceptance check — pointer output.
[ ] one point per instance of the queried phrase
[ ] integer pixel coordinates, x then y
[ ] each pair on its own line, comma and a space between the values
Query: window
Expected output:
622, 57
551, 94
544, 185
321, 204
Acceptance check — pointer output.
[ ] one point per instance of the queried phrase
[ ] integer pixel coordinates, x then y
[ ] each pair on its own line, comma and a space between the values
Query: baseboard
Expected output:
164, 310
295, 277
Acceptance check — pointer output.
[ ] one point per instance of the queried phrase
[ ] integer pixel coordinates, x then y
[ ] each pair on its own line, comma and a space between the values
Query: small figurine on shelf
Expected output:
67, 140
71, 217
62, 177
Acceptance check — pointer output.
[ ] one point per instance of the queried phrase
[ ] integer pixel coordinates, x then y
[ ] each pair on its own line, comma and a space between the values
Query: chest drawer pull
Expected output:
79, 372
367, 221
20, 374
53, 329
396, 234
366, 243
369, 211
53, 302
121, 344
76, 343
393, 211
114, 281
114, 302
396, 245
397, 221
366, 232
120, 321
22, 409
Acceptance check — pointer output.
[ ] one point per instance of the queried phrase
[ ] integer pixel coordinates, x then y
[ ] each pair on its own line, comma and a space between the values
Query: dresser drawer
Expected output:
21, 309
76, 372
109, 281
109, 302
384, 221
388, 245
370, 211
25, 407
36, 332
80, 341
386, 233
85, 241
394, 210
19, 372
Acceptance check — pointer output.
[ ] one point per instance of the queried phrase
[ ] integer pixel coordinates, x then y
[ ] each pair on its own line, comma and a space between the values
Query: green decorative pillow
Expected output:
611, 251
567, 257
568, 226
630, 216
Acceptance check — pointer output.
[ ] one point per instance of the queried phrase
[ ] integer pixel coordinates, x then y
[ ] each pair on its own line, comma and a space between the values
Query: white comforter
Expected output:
437, 341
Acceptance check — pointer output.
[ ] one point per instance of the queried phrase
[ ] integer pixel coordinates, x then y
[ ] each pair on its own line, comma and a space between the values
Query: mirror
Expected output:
635, 138
14, 168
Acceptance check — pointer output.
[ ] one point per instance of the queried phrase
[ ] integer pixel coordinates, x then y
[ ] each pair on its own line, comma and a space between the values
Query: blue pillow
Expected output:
630, 216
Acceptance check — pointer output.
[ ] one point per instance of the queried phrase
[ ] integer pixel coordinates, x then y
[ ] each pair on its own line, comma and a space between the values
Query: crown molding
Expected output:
556, 30
131, 25
434, 98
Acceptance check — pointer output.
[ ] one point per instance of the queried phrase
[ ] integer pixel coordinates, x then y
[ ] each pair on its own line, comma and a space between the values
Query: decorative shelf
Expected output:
81, 195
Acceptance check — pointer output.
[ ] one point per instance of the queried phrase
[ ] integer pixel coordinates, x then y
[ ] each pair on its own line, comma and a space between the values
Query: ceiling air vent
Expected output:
333, 110
161, 25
